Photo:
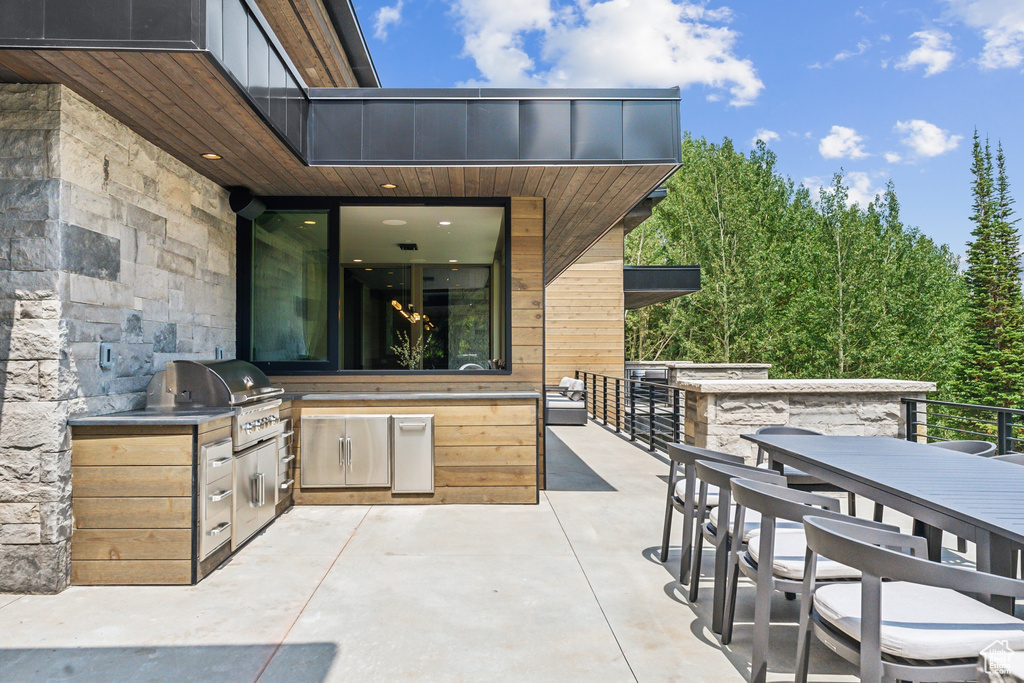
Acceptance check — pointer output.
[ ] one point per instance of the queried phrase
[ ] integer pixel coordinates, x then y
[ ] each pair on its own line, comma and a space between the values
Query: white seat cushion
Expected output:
712, 493
922, 622
751, 522
789, 553
559, 401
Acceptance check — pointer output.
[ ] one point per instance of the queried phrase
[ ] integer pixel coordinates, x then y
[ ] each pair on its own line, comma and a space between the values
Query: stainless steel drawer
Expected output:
216, 532
217, 459
219, 496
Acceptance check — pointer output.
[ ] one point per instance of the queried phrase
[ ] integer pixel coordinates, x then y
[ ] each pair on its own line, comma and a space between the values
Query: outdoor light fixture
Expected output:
389, 186
211, 156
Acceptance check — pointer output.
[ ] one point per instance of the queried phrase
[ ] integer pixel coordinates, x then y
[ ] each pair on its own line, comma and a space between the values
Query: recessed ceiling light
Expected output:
453, 260
389, 285
388, 186
417, 260
309, 222
445, 223
393, 221
369, 269
212, 157
454, 269
357, 260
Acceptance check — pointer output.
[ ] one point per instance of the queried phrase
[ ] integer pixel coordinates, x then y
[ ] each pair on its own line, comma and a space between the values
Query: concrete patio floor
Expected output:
569, 589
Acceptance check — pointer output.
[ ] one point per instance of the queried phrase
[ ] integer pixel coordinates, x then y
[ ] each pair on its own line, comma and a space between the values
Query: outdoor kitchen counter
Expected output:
134, 418
418, 396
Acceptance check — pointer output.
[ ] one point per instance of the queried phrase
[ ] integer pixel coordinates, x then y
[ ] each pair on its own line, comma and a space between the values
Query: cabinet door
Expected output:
412, 445
367, 446
267, 467
245, 515
322, 453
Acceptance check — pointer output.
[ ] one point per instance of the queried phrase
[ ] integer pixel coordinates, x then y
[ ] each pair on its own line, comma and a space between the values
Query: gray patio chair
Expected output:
717, 531
682, 496
917, 625
774, 558
798, 478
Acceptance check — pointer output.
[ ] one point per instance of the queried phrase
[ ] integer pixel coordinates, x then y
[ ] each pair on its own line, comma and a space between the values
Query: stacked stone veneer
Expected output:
103, 238
682, 370
718, 412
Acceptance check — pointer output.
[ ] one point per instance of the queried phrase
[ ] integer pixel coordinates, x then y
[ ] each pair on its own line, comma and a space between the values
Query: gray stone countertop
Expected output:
177, 416
417, 396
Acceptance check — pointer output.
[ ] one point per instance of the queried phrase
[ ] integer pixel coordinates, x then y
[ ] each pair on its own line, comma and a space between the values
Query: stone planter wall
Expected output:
719, 411
103, 238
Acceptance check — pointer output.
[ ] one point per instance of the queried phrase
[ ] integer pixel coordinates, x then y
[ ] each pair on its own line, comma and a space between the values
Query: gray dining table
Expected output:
979, 499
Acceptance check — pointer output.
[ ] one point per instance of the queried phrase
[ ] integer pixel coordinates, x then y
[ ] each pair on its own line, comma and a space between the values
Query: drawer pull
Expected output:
286, 435
221, 461
220, 495
220, 528
412, 426
287, 459
287, 484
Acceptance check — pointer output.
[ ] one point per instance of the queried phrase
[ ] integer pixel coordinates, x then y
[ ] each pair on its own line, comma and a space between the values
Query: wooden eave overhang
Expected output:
212, 76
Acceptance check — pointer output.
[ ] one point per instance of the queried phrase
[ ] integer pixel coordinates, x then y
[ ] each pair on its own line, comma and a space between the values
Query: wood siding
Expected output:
485, 451
132, 502
308, 36
584, 314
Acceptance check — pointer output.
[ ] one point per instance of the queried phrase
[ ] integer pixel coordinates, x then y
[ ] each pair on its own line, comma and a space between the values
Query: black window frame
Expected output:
332, 205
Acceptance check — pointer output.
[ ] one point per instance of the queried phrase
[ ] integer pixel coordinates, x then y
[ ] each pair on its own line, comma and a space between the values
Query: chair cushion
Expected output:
922, 622
712, 493
559, 401
751, 522
789, 553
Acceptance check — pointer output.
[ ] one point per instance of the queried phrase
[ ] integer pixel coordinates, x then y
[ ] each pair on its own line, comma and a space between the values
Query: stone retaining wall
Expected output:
719, 411
103, 238
682, 370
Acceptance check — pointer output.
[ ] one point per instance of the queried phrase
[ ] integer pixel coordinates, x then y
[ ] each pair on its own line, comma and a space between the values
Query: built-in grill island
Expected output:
166, 494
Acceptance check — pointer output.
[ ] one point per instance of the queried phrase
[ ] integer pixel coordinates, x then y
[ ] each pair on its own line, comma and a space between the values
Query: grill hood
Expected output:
210, 383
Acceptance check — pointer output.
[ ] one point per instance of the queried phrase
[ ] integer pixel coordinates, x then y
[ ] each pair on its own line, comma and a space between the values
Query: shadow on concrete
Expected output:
566, 471
308, 663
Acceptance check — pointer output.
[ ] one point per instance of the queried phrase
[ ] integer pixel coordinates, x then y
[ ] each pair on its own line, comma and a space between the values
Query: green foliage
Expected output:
991, 370
817, 288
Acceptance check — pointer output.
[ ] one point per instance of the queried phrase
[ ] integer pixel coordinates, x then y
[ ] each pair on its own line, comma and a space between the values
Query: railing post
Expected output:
632, 411
675, 415
604, 398
618, 408
650, 420
911, 419
1004, 424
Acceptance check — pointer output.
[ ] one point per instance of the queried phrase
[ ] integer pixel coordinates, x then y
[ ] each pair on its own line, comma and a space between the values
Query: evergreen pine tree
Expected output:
991, 370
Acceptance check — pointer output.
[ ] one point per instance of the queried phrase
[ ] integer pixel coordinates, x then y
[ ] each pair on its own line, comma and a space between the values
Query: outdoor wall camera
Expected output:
245, 204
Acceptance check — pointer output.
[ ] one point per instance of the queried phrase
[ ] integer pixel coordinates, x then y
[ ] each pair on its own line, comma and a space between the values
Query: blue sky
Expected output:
878, 90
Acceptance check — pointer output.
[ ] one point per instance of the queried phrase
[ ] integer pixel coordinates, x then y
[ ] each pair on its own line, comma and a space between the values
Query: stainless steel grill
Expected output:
221, 384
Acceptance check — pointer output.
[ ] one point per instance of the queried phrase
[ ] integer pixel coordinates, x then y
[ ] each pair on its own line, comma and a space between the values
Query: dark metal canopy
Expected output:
646, 285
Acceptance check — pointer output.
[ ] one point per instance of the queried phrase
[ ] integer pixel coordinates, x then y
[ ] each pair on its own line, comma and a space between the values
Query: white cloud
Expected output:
385, 17
610, 43
1001, 24
842, 142
893, 157
860, 189
764, 135
934, 51
862, 47
926, 139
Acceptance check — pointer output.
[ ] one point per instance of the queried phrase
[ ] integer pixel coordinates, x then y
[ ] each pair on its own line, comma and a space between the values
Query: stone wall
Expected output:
103, 238
683, 370
718, 412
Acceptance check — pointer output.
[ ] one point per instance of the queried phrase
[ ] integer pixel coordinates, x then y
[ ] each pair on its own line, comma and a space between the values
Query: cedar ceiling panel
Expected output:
182, 103
307, 34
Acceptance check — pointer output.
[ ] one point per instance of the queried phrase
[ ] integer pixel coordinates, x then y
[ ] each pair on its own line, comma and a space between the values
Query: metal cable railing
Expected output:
651, 413
930, 421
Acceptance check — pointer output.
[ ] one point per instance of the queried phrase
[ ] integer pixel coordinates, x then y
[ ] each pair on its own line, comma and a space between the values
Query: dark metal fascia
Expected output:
613, 94
346, 25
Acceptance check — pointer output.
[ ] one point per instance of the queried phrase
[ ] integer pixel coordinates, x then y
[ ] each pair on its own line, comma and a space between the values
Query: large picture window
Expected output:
383, 288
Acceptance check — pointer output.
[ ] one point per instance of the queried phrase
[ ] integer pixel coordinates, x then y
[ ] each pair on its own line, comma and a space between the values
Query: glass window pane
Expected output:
381, 325
457, 305
289, 287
